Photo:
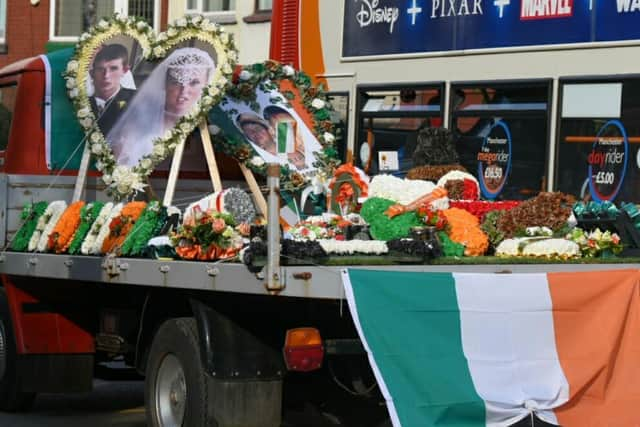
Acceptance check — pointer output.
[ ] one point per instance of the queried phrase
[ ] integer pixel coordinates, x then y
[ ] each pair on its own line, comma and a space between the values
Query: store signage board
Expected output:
392, 27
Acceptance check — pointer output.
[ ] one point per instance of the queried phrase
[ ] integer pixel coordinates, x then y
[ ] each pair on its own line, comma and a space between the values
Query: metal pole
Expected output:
274, 284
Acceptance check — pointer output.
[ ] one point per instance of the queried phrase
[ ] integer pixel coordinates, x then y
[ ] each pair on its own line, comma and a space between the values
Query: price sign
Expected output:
494, 160
608, 161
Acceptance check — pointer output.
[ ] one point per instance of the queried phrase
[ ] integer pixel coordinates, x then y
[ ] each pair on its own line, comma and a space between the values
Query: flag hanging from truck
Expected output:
491, 349
64, 138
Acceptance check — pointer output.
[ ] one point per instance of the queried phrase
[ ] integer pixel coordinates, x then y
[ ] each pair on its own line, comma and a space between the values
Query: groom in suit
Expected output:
110, 99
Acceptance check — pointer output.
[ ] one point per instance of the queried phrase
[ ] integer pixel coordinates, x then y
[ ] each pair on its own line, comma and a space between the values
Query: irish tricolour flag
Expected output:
491, 349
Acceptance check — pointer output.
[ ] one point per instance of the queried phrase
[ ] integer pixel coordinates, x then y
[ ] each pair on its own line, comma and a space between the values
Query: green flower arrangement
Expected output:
30, 215
267, 76
121, 180
381, 226
148, 226
88, 215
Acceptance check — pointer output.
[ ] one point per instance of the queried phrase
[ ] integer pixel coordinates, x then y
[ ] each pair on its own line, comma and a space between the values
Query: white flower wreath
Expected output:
50, 219
90, 239
122, 183
105, 229
349, 247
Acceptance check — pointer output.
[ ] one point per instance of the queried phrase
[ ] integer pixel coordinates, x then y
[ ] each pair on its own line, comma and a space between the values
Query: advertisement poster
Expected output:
392, 27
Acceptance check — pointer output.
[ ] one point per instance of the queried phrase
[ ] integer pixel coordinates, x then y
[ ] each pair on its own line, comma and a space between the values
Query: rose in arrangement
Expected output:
596, 243
207, 235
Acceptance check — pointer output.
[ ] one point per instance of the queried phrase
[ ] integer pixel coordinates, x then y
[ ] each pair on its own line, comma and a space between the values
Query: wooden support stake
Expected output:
81, 179
255, 189
173, 175
210, 156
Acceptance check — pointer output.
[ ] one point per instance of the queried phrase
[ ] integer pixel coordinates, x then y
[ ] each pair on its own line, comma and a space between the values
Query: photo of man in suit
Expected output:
110, 99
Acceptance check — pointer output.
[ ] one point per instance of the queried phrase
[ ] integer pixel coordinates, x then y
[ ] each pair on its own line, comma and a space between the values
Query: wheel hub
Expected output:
3, 350
170, 392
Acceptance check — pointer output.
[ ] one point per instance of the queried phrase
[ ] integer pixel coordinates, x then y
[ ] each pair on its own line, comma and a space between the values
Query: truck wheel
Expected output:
12, 398
176, 386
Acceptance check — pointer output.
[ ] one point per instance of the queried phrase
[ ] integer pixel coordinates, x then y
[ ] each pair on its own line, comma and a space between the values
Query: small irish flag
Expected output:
466, 349
286, 137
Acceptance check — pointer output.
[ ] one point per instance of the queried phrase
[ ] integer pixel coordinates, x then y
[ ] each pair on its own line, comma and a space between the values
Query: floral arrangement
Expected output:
103, 223
272, 75
480, 208
30, 217
403, 191
62, 234
315, 228
207, 235
146, 227
121, 225
596, 243
348, 185
546, 209
92, 243
464, 228
46, 223
383, 227
538, 247
432, 172
431, 218
88, 215
350, 247
449, 247
121, 180
460, 185
234, 201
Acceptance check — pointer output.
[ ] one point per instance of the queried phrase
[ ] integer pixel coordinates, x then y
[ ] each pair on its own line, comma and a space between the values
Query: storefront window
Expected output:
339, 116
388, 124
501, 132
599, 139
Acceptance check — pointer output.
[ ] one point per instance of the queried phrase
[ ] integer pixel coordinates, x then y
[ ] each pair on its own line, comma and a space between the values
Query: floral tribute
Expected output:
538, 247
546, 209
62, 234
121, 180
348, 185
294, 85
121, 225
88, 215
480, 208
464, 228
30, 218
47, 221
596, 243
148, 225
92, 244
208, 235
460, 185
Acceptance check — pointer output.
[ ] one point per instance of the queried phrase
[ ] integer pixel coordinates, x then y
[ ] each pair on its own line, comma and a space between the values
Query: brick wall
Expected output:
27, 30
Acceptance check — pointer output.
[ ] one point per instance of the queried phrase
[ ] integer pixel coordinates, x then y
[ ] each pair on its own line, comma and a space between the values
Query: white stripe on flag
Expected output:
509, 342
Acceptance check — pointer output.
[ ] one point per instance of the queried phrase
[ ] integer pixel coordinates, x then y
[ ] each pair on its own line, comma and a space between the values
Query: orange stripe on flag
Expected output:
597, 326
311, 53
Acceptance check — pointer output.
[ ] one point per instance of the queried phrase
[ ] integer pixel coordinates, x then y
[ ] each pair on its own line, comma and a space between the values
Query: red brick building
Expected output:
29, 28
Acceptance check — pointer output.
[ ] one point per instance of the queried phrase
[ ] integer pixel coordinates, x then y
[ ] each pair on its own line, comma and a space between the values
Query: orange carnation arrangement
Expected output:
120, 226
464, 228
62, 234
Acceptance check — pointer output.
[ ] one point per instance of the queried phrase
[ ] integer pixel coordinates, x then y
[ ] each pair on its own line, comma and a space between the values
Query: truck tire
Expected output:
12, 398
176, 385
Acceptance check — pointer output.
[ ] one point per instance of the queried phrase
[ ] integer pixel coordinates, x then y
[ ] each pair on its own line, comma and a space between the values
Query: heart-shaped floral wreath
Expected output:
297, 88
122, 180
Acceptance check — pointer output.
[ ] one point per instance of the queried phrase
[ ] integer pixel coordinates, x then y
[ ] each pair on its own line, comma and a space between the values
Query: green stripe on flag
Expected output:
66, 133
282, 134
411, 324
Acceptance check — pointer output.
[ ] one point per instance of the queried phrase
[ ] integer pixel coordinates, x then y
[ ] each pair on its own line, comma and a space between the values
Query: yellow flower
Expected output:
122, 104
